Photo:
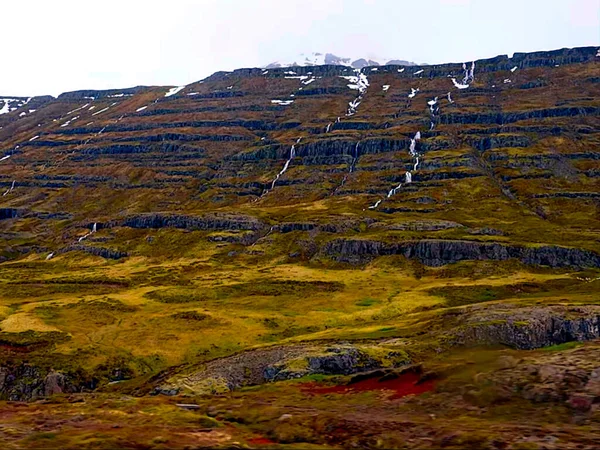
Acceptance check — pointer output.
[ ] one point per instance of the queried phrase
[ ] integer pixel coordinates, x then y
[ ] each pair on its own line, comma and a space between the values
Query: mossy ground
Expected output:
162, 312
464, 410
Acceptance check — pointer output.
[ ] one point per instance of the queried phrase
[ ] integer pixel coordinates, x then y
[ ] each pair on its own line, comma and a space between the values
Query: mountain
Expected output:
319, 59
321, 256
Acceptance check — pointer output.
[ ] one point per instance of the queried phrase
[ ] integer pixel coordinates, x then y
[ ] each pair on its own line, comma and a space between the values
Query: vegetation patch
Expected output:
191, 316
178, 295
465, 295
33, 339
367, 302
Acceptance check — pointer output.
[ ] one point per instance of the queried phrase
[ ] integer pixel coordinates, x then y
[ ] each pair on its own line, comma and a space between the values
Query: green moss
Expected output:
367, 302
562, 347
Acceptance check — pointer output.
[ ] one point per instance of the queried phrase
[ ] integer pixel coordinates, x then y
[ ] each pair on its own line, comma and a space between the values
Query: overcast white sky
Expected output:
52, 46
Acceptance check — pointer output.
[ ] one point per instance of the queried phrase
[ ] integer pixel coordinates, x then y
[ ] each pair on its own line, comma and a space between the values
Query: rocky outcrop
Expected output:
439, 252
213, 222
422, 225
26, 382
529, 328
10, 213
97, 95
280, 363
502, 118
96, 251
488, 143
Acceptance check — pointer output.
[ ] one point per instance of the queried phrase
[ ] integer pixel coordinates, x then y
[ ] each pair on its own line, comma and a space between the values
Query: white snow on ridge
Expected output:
320, 59
141, 109
385, 87
101, 111
359, 82
4, 157
77, 109
6, 108
431, 104
69, 121
174, 91
11, 104
413, 92
513, 69
459, 85
419, 72
34, 138
282, 102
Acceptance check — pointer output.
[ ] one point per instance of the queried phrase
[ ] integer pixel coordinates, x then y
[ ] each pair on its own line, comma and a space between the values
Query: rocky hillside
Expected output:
368, 233
502, 149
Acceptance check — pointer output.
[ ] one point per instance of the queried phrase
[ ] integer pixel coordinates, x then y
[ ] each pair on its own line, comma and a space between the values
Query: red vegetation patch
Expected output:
260, 441
402, 385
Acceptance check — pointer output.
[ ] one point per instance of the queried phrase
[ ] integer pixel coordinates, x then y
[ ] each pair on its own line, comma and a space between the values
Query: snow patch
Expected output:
413, 92
459, 85
101, 111
282, 102
68, 122
174, 91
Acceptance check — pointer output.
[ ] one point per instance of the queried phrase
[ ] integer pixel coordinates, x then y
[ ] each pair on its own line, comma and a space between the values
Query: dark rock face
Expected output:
26, 383
88, 94
341, 361
529, 328
96, 251
488, 143
439, 252
502, 118
209, 222
9, 213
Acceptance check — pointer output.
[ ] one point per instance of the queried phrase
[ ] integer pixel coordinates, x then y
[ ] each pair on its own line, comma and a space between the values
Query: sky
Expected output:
54, 46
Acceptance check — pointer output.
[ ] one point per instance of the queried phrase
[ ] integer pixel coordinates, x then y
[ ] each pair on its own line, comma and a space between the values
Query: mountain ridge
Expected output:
320, 59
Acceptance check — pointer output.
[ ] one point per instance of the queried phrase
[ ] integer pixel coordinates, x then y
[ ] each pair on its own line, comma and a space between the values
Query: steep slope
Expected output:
383, 144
